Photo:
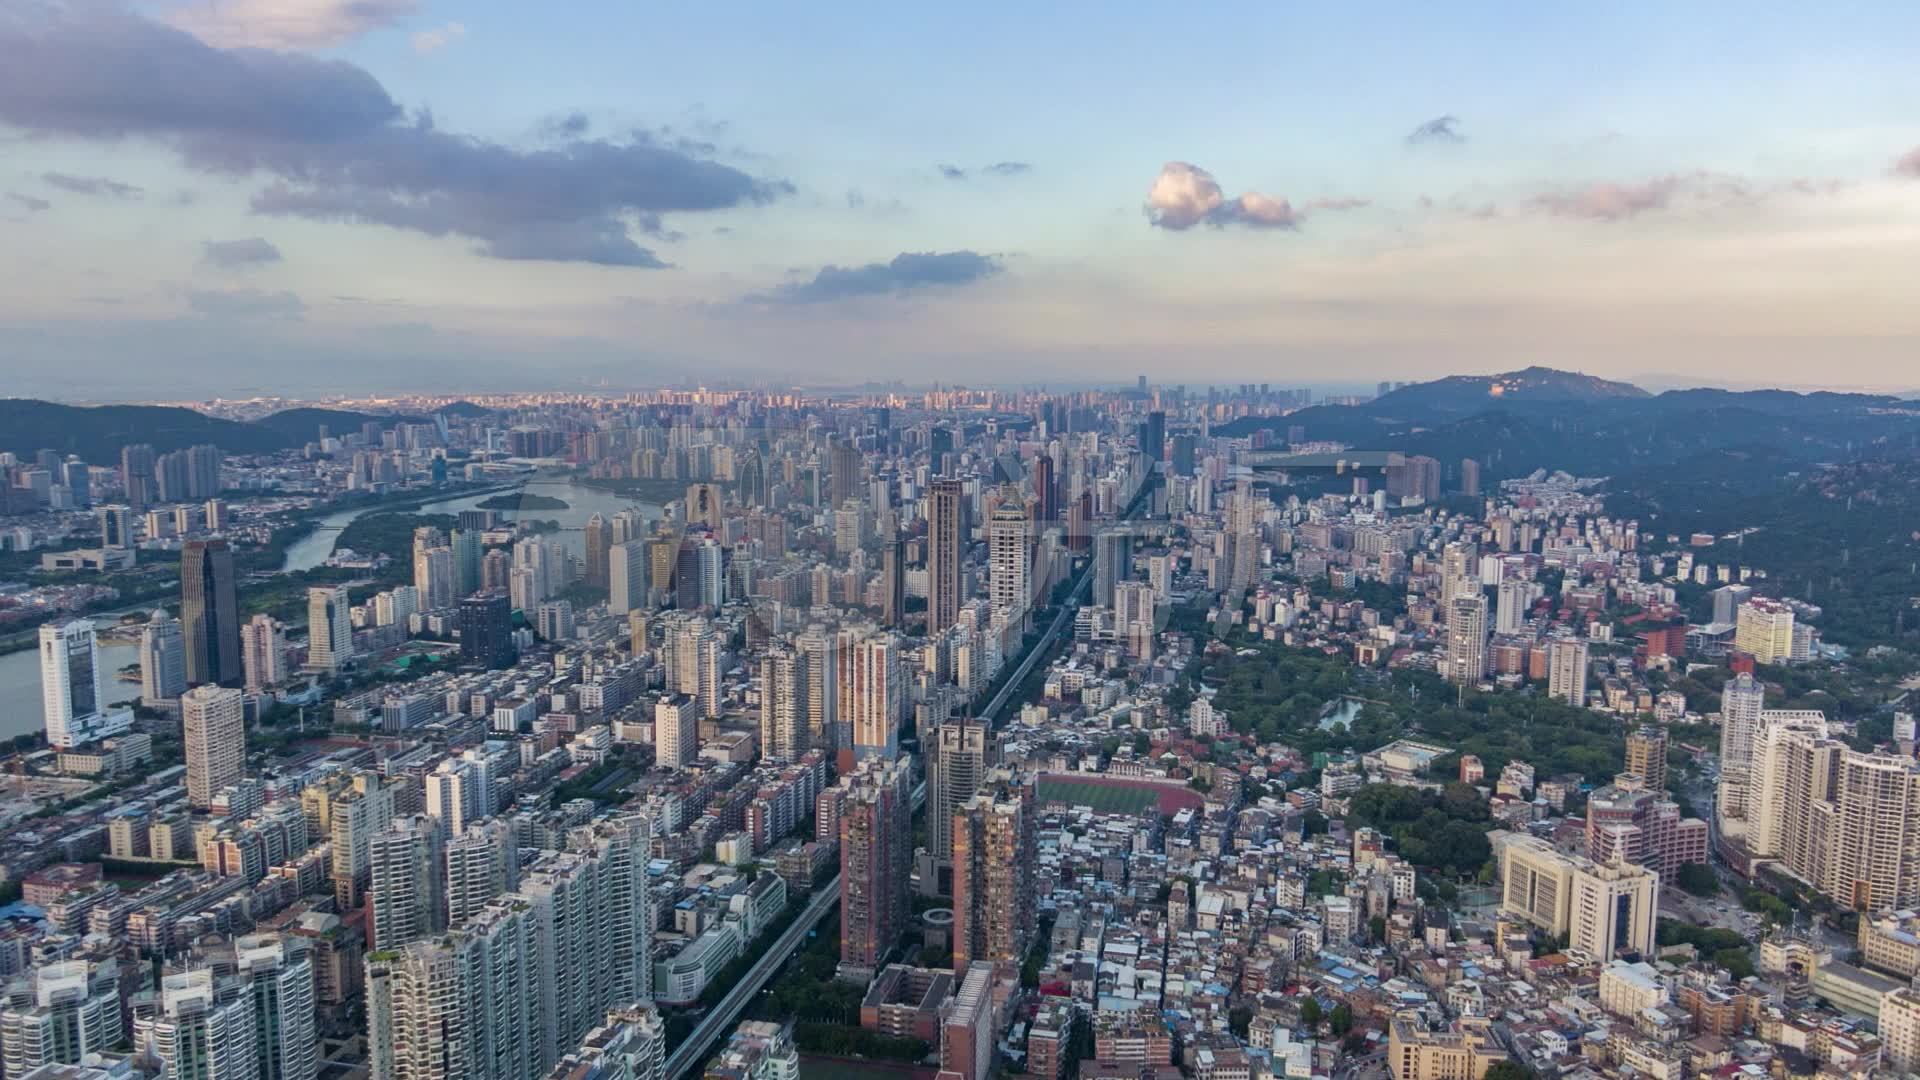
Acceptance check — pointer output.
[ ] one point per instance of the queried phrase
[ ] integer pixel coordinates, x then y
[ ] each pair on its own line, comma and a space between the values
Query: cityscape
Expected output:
768, 542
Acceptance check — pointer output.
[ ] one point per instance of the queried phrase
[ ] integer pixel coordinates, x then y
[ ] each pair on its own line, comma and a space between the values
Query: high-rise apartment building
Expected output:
1647, 755
210, 613
1112, 564
599, 545
1466, 661
408, 896
329, 629
946, 553
163, 659
263, 653
676, 731
876, 825
1763, 629
783, 704
65, 1010
1567, 670
1742, 701
195, 1032
877, 694
435, 575
482, 863
1010, 558
893, 583
214, 730
993, 866
962, 751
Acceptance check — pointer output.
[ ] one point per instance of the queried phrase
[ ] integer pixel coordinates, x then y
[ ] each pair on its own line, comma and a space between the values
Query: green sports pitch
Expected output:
1107, 798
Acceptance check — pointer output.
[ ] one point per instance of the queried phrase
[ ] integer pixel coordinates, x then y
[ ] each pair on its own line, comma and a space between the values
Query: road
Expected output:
721, 1018
723, 1015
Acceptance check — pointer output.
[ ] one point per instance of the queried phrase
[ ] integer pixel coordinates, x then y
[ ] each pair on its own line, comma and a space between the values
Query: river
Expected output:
20, 709
582, 503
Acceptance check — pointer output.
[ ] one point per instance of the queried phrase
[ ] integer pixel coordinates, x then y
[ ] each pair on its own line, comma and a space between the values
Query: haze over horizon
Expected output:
313, 196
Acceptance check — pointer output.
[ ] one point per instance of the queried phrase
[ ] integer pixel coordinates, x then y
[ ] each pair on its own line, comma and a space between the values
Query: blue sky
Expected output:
240, 196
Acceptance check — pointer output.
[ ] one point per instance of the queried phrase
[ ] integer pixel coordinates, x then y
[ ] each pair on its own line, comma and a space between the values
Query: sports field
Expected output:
1114, 796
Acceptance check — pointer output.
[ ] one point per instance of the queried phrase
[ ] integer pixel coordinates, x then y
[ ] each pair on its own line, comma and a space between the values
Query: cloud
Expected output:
33, 205
337, 147
246, 304
286, 24
1612, 201
1908, 165
239, 254
1185, 195
431, 41
1440, 129
905, 273
998, 168
91, 185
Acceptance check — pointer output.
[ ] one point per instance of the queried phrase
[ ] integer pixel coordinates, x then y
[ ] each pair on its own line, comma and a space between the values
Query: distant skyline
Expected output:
302, 197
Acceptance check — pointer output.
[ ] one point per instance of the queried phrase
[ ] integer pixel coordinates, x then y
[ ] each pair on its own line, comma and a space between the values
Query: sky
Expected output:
235, 197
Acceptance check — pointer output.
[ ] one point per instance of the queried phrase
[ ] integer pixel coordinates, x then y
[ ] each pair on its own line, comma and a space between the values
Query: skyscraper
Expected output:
878, 693
163, 659
1112, 564
783, 704
599, 541
1010, 558
263, 652
1466, 662
210, 613
875, 852
278, 981
68, 1009
993, 865
435, 575
845, 464
214, 729
70, 688
329, 629
962, 752
946, 551
408, 896
467, 555
482, 863
1647, 755
1742, 701
1763, 629
195, 1033
893, 583
136, 476
486, 630
1046, 493
627, 576
1567, 670
676, 731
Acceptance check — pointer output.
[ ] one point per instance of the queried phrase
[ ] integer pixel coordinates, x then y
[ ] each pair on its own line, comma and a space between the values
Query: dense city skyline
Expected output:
306, 195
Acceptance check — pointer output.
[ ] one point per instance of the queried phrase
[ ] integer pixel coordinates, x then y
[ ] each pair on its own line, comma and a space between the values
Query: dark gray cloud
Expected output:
905, 273
240, 254
338, 147
91, 185
35, 205
1440, 129
246, 304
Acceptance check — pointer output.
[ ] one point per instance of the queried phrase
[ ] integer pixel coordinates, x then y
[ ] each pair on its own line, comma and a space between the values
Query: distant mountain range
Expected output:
1544, 418
97, 433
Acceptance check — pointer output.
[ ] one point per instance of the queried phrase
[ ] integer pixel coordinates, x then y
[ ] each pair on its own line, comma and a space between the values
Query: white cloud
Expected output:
287, 24
431, 41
